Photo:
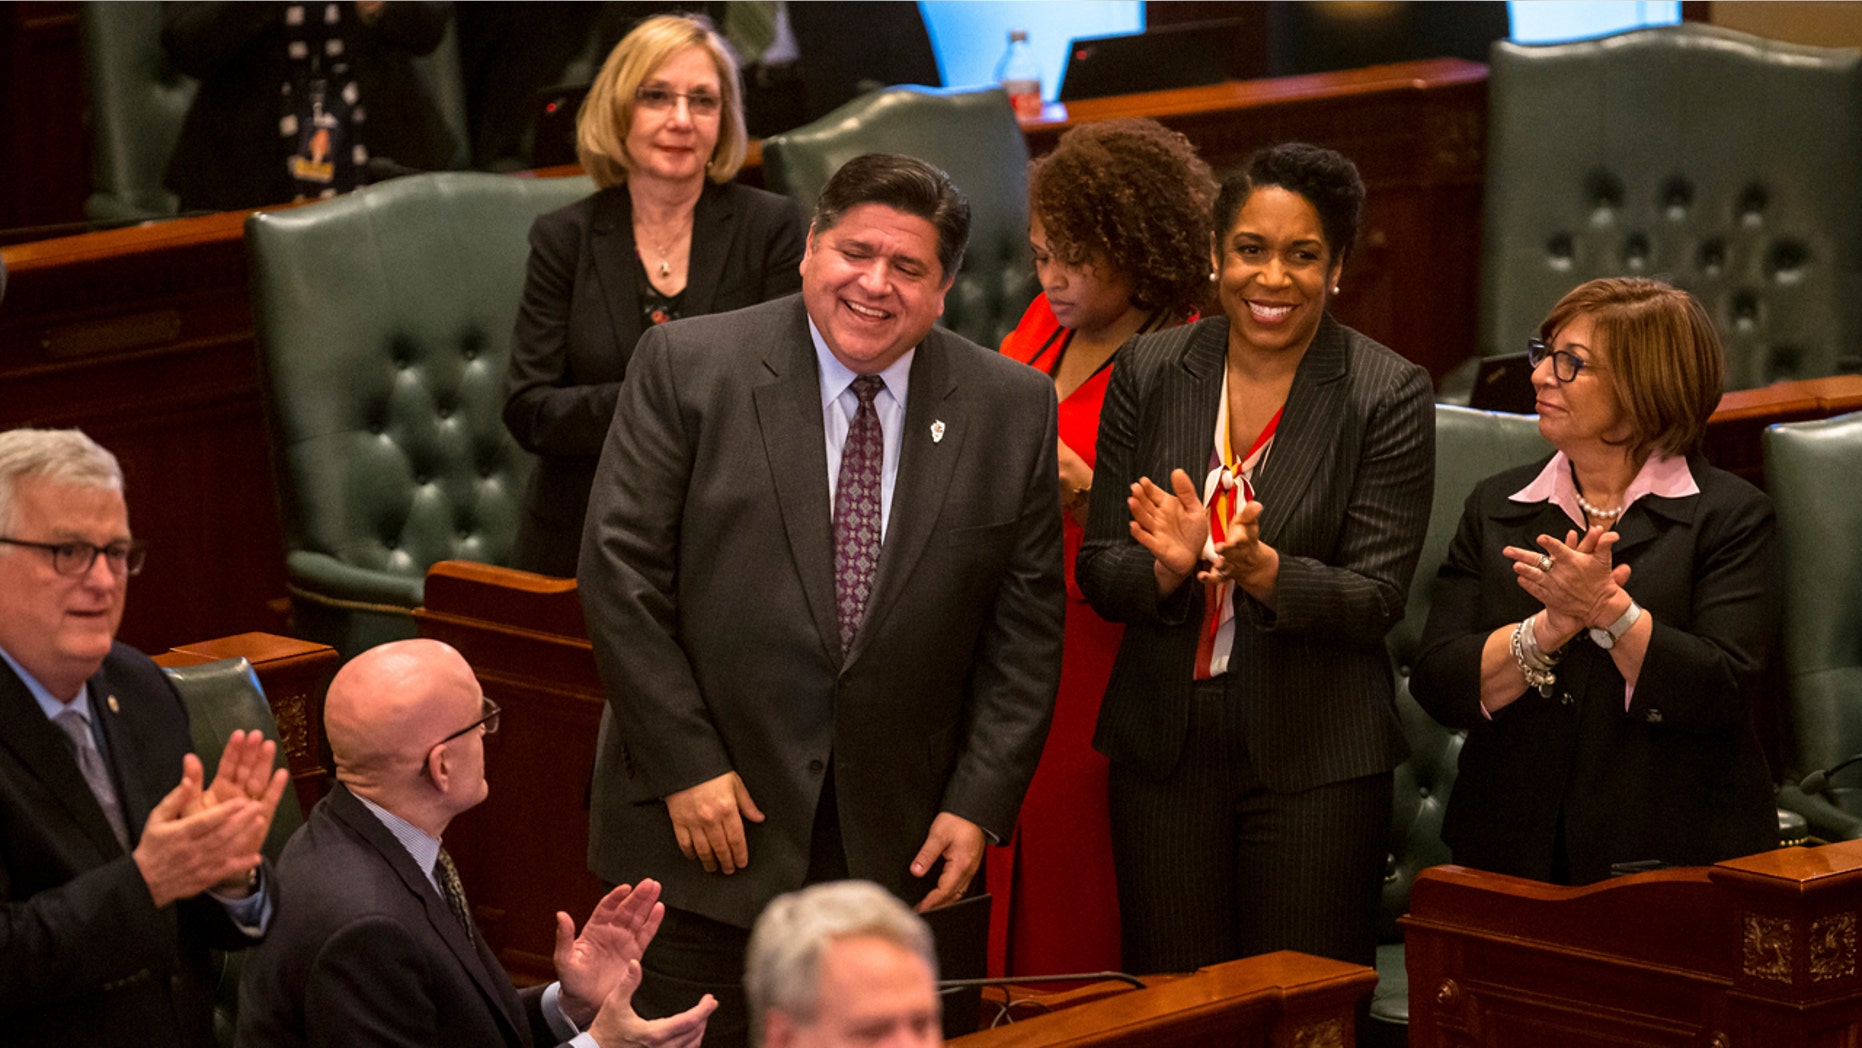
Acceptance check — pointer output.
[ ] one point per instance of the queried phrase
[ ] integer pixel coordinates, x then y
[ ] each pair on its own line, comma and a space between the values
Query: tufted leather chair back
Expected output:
221, 698
1470, 446
384, 318
974, 137
137, 103
1810, 471
1721, 162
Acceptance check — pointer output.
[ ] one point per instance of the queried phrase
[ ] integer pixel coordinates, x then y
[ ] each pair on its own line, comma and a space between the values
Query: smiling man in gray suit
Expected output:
822, 573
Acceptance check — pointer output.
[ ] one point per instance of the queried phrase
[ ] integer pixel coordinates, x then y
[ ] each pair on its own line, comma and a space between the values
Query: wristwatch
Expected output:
1605, 637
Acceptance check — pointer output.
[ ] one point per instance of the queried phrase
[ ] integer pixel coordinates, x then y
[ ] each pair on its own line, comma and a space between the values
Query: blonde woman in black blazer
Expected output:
1251, 795
668, 235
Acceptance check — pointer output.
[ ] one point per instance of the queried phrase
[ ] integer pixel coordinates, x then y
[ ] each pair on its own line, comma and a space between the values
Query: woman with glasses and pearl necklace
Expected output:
1603, 618
666, 235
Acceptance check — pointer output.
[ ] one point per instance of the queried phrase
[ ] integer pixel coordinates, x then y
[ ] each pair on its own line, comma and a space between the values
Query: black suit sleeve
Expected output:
1702, 677
547, 410
365, 989
1358, 593
98, 927
1114, 571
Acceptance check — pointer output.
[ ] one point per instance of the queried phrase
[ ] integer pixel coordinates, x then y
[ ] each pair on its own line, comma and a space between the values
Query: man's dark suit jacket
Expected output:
708, 581
1678, 777
86, 958
364, 950
578, 322
1345, 499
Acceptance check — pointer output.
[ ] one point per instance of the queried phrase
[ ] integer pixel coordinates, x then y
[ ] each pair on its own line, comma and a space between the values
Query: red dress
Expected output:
1056, 901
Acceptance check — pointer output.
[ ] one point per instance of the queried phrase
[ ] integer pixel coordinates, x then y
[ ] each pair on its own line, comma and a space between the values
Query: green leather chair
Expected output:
137, 103
223, 697
1470, 446
1722, 162
383, 320
1811, 470
974, 137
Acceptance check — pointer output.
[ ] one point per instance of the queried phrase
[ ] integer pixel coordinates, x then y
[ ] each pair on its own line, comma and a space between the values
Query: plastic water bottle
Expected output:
1020, 75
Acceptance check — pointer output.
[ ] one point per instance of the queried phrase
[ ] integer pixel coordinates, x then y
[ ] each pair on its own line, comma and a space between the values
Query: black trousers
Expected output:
1213, 866
693, 955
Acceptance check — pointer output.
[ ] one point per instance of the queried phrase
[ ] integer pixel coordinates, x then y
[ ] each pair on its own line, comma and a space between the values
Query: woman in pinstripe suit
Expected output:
1266, 485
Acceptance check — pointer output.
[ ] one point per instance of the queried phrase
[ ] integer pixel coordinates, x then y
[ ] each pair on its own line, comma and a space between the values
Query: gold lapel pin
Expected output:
937, 431
114, 708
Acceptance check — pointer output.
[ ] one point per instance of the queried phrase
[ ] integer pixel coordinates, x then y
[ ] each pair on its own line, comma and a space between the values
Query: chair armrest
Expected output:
321, 577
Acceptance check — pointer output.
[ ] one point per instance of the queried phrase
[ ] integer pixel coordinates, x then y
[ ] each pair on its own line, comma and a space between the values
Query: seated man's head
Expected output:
843, 963
406, 723
65, 555
886, 239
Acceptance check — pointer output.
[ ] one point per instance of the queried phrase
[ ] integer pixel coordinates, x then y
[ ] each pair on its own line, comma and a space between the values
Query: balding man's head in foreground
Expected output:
842, 963
406, 723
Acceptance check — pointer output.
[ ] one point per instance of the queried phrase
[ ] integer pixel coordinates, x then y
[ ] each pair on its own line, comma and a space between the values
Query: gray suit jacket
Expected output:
707, 578
1345, 495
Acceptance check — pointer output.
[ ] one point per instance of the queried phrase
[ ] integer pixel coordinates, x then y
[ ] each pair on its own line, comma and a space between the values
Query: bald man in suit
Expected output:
378, 946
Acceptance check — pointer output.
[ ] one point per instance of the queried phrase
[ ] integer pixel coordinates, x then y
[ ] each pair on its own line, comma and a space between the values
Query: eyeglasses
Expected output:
701, 103
77, 558
1565, 364
489, 722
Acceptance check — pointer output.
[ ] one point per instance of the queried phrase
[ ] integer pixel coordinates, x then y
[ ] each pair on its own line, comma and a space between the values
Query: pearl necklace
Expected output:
1600, 514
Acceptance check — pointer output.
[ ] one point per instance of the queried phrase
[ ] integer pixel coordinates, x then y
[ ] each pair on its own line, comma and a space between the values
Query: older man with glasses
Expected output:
120, 867
377, 945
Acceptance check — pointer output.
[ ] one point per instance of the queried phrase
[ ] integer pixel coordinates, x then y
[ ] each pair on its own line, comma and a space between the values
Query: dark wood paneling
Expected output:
143, 338
525, 850
1417, 132
44, 152
1759, 952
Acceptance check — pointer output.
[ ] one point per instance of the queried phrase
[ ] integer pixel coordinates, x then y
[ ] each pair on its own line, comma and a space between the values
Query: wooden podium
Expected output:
1758, 952
1276, 1000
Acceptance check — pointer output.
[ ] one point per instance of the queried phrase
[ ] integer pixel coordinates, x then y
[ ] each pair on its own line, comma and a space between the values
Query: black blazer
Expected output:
86, 959
363, 949
579, 320
1345, 494
1678, 777
230, 155
708, 582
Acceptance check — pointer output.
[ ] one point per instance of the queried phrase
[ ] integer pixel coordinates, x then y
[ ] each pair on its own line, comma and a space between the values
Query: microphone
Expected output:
1818, 781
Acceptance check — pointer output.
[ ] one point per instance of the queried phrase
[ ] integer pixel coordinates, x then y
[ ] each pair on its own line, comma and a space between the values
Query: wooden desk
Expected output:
1751, 953
1283, 1000
1734, 433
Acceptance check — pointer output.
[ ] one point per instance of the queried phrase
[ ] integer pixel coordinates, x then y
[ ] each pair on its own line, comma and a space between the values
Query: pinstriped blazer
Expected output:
1345, 495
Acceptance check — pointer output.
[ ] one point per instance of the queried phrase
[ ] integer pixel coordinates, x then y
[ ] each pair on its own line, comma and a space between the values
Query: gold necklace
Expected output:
664, 249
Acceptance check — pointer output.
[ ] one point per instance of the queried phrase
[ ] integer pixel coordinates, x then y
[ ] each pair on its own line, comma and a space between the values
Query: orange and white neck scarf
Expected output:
1228, 487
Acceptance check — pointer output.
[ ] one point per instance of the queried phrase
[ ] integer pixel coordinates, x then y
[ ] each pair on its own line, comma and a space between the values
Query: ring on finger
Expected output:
1545, 562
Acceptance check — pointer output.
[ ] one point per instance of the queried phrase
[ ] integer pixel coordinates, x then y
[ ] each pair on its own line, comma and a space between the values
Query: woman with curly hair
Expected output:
1118, 220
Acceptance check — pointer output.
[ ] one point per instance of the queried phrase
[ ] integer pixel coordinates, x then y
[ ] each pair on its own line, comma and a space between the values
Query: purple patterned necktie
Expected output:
856, 510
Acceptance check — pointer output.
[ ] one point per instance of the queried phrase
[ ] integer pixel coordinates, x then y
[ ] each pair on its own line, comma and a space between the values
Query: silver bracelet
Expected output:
1538, 676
